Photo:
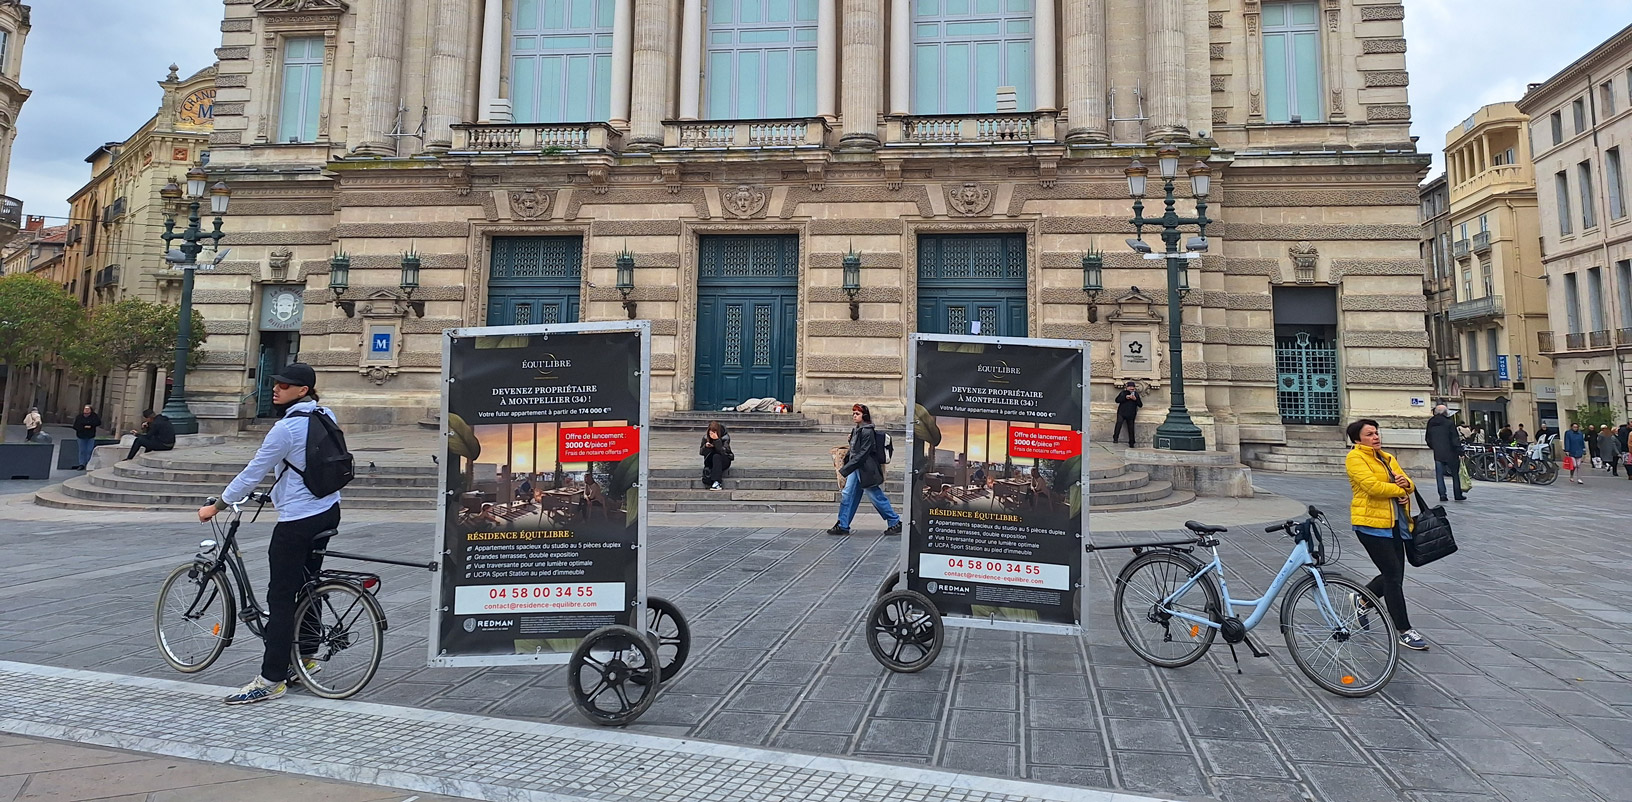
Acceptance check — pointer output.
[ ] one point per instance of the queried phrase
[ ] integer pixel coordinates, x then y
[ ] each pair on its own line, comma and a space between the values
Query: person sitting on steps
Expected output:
156, 435
716, 453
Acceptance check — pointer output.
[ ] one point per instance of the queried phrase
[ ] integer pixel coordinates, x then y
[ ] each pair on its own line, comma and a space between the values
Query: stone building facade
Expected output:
1444, 355
1499, 313
968, 151
14, 27
114, 249
1581, 132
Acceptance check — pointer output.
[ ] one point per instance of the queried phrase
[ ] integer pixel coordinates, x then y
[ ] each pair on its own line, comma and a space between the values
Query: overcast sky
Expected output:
94, 66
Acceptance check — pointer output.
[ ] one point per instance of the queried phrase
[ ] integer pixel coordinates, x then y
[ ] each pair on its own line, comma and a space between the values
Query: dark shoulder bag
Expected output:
1431, 537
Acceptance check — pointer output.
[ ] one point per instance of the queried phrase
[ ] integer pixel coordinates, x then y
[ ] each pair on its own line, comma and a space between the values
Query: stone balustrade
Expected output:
534, 137
950, 129
789, 133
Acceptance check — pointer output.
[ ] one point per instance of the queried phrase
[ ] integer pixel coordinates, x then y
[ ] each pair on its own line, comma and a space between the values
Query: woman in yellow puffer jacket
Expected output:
1381, 516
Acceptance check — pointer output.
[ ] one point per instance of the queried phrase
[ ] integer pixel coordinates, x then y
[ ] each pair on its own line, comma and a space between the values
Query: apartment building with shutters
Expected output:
969, 152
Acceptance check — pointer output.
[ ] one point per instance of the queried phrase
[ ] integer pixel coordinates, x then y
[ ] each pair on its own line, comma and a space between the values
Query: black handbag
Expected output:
1431, 537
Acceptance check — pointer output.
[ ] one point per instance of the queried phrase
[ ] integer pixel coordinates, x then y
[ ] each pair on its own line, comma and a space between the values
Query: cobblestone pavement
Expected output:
1524, 696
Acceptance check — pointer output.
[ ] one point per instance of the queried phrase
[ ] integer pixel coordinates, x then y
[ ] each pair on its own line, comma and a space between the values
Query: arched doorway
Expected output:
1597, 390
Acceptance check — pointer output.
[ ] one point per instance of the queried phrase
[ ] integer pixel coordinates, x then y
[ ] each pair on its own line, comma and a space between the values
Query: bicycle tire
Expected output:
348, 619
1479, 467
905, 632
611, 659
1357, 635
1545, 473
1168, 571
670, 634
203, 615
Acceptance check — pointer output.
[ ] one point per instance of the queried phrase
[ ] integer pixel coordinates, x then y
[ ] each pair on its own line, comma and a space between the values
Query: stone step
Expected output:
1322, 457
697, 420
828, 496
80, 488
761, 484
1174, 499
1306, 468
1153, 491
185, 461
377, 478
357, 489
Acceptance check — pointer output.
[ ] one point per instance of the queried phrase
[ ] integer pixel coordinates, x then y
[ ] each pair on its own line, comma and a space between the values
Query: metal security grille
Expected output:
525, 259
1306, 387
523, 315
762, 335
957, 319
750, 257
988, 319
733, 336
1000, 257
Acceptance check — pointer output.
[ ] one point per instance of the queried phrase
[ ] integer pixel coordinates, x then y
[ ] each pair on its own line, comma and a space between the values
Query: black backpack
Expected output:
328, 463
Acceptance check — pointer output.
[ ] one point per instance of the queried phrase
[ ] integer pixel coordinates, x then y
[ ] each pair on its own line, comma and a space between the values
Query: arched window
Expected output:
1597, 390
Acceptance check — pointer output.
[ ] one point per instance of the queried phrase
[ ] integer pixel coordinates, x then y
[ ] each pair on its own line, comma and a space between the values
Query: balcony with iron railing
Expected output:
967, 129
534, 138
1499, 178
1598, 339
1481, 242
1623, 336
1575, 341
11, 217
1544, 342
1459, 248
1476, 379
107, 276
1476, 309
802, 132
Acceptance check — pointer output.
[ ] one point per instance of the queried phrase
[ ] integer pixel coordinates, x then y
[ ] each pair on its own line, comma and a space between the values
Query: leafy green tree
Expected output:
131, 334
36, 317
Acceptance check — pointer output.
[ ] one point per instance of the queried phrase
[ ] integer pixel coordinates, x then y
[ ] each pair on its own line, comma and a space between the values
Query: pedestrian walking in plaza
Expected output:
1442, 440
1128, 403
32, 424
306, 520
156, 434
716, 453
1621, 434
1521, 438
1381, 516
863, 471
85, 425
1609, 450
1591, 436
1575, 448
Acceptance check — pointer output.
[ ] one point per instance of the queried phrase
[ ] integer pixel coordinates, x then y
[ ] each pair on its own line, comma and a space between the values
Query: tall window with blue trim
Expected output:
963, 50
761, 59
300, 103
1292, 62
561, 61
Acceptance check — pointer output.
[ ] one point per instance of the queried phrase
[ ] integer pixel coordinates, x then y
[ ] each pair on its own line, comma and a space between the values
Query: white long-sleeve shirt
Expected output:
286, 441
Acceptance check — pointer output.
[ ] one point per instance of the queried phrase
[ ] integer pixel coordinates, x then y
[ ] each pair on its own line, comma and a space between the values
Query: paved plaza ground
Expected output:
1524, 696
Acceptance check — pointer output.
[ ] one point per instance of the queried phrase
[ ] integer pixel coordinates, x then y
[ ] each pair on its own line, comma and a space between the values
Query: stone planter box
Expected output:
25, 460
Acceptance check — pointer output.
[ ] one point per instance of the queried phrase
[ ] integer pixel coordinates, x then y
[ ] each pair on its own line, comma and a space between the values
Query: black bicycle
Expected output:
340, 637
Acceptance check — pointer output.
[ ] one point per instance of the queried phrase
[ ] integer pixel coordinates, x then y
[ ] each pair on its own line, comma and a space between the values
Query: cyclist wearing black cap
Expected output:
302, 516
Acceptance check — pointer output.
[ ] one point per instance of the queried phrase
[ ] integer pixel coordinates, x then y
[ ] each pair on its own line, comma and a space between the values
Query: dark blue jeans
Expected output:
1444, 469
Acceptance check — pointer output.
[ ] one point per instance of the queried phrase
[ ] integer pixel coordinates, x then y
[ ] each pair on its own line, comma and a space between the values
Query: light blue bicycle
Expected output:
1170, 607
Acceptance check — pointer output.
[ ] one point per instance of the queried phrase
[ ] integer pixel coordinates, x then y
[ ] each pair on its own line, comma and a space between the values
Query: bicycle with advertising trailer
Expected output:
1170, 607
340, 638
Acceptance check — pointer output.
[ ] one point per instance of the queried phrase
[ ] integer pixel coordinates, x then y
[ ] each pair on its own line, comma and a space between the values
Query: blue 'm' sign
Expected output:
382, 344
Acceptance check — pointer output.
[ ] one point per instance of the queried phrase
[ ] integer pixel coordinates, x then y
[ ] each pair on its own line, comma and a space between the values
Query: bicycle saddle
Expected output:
1204, 529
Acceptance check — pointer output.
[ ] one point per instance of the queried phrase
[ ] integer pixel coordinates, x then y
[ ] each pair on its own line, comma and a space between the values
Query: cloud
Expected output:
1465, 54
94, 66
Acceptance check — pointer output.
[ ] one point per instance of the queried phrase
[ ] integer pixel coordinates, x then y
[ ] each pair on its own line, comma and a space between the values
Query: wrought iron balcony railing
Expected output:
1479, 378
1575, 341
1478, 308
1459, 248
1598, 339
1544, 341
1481, 242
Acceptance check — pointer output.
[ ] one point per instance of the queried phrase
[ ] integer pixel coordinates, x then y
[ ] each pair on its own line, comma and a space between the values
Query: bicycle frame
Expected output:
1299, 558
230, 558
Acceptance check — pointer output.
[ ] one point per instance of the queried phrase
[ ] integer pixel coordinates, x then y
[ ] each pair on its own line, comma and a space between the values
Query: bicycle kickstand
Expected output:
1257, 651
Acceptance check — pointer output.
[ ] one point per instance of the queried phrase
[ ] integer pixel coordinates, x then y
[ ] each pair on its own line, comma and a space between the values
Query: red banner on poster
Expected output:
1044, 443
598, 444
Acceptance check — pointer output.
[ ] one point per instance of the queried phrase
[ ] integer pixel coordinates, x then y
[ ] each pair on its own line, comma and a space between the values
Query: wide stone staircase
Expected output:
755, 422
177, 480
1317, 450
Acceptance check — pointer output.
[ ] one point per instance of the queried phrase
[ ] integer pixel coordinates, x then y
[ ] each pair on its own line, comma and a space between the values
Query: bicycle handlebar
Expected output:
1280, 527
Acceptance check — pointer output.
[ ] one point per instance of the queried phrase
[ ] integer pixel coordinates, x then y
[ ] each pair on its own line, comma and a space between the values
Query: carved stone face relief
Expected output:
298, 6
529, 203
1305, 257
969, 200
744, 202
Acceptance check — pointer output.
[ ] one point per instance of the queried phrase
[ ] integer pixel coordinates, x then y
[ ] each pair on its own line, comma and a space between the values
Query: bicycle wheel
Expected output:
1354, 655
602, 671
1147, 623
670, 635
1545, 473
1479, 467
194, 619
904, 631
341, 632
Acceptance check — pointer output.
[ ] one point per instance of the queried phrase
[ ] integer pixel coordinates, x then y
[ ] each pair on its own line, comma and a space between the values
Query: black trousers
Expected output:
1120, 422
147, 442
1388, 554
714, 467
292, 563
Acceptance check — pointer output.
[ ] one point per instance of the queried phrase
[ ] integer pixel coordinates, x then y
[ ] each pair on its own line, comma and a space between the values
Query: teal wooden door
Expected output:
534, 280
965, 279
1306, 379
747, 318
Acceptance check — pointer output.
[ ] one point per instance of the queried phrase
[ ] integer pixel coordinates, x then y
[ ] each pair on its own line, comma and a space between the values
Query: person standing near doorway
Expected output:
863, 471
1447, 448
1128, 403
85, 426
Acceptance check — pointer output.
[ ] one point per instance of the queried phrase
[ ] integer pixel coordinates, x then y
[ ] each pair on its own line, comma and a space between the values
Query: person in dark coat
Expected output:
1127, 408
1447, 448
1575, 448
156, 435
863, 471
1609, 450
716, 453
85, 426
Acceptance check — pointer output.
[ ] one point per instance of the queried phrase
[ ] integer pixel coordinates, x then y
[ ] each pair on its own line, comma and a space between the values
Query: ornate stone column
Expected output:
446, 95
489, 107
1043, 52
827, 59
1086, 85
382, 79
623, 32
900, 56
1165, 63
863, 76
650, 74
691, 59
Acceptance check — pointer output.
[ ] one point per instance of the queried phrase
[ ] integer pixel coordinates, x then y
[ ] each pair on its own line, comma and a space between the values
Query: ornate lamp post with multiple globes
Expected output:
1178, 432
185, 257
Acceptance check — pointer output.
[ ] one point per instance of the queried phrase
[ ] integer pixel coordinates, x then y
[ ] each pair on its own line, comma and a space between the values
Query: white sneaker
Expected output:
716, 486
258, 690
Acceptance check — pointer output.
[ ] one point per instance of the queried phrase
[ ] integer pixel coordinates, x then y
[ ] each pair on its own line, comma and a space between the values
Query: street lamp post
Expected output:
1178, 432
185, 257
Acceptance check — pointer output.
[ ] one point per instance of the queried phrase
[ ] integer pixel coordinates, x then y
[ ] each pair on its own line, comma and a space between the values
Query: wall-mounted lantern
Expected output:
410, 281
852, 281
340, 281
626, 280
1093, 280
